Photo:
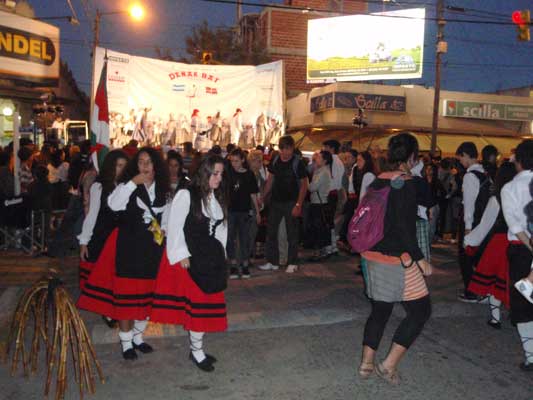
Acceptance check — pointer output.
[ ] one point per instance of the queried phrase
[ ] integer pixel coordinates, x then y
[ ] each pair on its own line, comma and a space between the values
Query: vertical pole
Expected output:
96, 41
16, 146
239, 11
436, 99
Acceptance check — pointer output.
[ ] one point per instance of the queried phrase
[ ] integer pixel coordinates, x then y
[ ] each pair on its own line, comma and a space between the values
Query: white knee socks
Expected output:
138, 328
125, 340
494, 305
526, 336
196, 339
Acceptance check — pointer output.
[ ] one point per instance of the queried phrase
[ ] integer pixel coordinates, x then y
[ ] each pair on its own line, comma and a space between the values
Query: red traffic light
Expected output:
518, 18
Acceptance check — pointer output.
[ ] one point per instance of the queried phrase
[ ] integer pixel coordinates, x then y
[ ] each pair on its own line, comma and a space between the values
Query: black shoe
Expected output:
234, 273
111, 323
143, 347
245, 272
212, 359
494, 324
205, 365
129, 354
526, 367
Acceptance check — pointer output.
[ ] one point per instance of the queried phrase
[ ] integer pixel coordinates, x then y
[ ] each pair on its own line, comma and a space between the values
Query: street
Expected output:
299, 337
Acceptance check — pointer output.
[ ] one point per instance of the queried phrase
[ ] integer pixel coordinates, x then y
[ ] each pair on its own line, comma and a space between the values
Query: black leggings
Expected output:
418, 312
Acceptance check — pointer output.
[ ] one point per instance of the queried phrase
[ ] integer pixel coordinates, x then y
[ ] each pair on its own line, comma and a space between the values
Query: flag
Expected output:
100, 120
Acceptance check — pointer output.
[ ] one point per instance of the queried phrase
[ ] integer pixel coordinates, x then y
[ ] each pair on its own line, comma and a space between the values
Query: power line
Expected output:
308, 9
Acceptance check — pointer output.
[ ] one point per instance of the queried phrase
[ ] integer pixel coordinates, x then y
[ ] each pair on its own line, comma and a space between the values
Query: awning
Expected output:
447, 144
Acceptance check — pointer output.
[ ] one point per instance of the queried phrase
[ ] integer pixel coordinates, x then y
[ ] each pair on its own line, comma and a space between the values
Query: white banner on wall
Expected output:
158, 93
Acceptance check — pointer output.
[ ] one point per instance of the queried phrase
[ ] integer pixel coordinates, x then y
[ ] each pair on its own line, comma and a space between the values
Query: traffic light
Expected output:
522, 20
207, 57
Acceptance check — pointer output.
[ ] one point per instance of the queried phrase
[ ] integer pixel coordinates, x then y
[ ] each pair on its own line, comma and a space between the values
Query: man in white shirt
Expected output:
337, 192
516, 195
476, 193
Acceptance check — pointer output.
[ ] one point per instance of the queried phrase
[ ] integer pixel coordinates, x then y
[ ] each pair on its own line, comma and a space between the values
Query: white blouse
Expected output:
119, 198
478, 234
515, 196
89, 221
176, 246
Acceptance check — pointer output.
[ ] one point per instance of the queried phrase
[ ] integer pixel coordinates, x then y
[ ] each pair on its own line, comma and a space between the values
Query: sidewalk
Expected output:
297, 336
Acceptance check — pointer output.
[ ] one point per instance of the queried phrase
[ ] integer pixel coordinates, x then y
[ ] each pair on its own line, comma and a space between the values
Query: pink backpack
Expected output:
366, 227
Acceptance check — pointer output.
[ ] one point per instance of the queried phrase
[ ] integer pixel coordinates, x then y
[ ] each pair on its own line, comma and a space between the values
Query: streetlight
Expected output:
136, 11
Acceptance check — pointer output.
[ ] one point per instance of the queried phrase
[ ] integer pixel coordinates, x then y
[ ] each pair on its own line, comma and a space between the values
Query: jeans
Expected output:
417, 313
239, 225
279, 211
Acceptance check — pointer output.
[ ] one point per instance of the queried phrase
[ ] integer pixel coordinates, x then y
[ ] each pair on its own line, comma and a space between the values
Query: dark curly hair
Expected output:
107, 172
200, 189
401, 148
162, 181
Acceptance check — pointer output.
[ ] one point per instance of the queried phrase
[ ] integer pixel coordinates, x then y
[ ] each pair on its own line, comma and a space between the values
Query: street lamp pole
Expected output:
441, 48
136, 12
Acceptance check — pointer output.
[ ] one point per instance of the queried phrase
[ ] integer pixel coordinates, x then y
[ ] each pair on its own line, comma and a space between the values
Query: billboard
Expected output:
366, 47
29, 50
169, 92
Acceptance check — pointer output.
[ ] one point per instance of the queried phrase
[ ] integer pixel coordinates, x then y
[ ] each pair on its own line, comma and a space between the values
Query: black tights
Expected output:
418, 312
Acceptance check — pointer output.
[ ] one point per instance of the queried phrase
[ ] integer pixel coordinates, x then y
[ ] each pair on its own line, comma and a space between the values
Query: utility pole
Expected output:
442, 47
239, 11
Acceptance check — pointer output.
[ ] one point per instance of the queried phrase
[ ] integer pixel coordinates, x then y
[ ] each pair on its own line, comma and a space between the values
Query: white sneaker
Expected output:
291, 268
525, 287
268, 267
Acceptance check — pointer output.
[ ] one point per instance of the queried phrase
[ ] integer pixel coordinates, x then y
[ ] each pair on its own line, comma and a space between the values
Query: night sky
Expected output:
481, 58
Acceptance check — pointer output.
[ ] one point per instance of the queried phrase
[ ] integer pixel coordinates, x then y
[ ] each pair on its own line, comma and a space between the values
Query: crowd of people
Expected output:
150, 214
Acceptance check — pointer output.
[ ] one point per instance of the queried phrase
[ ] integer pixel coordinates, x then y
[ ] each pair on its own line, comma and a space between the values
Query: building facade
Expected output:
329, 112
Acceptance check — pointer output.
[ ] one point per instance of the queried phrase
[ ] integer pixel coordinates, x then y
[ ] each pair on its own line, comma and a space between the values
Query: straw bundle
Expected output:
55, 322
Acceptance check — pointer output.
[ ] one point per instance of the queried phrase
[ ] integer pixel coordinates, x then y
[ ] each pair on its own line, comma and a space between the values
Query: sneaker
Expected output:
268, 267
291, 268
525, 287
468, 298
245, 272
234, 273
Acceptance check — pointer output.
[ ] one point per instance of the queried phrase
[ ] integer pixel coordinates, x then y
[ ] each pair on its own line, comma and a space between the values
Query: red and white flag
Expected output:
100, 120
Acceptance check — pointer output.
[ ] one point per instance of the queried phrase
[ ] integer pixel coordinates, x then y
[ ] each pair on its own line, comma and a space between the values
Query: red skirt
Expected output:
178, 300
492, 271
115, 297
85, 270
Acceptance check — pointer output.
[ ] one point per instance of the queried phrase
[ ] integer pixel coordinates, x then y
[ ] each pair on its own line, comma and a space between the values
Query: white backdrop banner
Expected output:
165, 90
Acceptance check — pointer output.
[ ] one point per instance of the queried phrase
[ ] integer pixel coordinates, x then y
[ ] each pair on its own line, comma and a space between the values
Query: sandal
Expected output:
366, 369
391, 377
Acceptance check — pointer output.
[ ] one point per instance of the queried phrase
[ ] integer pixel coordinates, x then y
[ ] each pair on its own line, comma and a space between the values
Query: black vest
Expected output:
208, 259
483, 196
138, 256
106, 221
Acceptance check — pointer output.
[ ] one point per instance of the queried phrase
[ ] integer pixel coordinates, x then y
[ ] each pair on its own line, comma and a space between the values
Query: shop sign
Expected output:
321, 103
370, 102
29, 50
367, 102
491, 111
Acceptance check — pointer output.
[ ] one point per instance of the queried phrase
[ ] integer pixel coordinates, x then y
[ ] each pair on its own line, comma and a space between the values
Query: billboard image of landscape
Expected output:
366, 47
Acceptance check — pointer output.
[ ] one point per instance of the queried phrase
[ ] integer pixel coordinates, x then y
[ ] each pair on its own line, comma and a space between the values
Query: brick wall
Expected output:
350, 6
287, 37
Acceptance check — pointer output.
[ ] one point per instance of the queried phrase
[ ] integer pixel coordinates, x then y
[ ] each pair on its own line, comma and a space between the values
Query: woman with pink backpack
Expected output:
383, 230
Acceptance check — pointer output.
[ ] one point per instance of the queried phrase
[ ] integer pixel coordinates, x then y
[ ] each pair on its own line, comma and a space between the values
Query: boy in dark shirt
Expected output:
287, 182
